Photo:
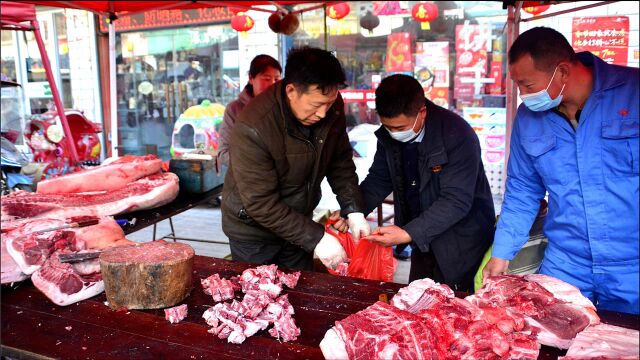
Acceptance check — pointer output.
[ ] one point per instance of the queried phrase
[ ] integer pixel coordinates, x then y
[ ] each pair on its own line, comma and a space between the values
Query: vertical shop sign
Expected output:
607, 37
473, 43
490, 126
432, 70
399, 57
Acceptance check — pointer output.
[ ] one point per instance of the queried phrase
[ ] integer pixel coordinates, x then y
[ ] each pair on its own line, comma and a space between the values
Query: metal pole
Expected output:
113, 103
324, 18
513, 30
55, 92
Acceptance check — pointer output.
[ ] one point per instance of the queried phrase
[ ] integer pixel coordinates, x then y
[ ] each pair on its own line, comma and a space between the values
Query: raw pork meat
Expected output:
10, 270
148, 192
421, 294
432, 324
219, 289
555, 322
106, 177
176, 313
63, 284
382, 331
260, 307
29, 248
605, 342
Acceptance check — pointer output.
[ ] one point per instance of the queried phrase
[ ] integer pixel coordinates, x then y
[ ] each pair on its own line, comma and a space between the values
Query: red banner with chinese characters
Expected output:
167, 18
399, 57
607, 37
472, 45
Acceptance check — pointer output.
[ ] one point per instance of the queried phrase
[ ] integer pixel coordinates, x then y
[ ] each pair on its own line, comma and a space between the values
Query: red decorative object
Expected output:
424, 12
534, 7
242, 23
236, 10
289, 24
274, 21
338, 11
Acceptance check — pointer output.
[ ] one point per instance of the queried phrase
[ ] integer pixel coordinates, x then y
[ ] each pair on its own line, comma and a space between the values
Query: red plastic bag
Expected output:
368, 260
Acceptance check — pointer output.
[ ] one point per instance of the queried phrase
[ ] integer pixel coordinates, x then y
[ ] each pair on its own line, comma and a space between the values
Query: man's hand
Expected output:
495, 266
358, 225
330, 251
389, 236
340, 223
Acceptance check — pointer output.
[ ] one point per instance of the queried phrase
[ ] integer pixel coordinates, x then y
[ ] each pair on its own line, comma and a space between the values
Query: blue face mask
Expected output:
541, 100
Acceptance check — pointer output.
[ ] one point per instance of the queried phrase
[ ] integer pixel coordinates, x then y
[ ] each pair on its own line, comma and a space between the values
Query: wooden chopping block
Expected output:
150, 275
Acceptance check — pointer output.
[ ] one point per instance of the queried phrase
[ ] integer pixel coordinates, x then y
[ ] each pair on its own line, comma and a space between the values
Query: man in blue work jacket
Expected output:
576, 137
429, 157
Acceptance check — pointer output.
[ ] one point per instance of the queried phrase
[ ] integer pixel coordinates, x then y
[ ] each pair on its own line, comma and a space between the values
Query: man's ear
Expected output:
291, 91
564, 68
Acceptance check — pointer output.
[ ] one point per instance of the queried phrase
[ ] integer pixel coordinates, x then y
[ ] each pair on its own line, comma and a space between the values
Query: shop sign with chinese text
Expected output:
607, 37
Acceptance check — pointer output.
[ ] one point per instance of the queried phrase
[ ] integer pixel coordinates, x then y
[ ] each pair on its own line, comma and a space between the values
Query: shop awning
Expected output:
14, 14
112, 8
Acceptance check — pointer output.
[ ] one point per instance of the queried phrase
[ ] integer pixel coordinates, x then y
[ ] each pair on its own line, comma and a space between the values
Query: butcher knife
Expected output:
77, 224
77, 257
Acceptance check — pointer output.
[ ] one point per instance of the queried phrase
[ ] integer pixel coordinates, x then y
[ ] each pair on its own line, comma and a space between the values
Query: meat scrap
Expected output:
176, 313
261, 306
219, 289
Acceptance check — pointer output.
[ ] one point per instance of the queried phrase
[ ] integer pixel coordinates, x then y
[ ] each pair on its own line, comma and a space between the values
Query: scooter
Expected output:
11, 163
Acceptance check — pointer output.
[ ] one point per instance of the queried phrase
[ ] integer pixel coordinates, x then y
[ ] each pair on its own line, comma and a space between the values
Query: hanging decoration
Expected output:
369, 21
236, 10
534, 7
242, 22
275, 21
289, 24
424, 12
338, 11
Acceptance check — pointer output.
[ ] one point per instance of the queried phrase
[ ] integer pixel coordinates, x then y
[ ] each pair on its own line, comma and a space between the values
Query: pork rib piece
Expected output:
145, 193
219, 289
605, 342
421, 294
176, 313
555, 322
109, 177
65, 284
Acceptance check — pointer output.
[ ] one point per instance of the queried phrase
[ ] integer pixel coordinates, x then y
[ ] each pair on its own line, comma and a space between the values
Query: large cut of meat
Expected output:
109, 177
260, 307
556, 322
605, 342
11, 272
425, 321
382, 331
145, 193
30, 248
65, 284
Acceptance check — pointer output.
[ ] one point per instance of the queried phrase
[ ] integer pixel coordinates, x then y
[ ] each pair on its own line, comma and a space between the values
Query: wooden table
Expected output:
32, 327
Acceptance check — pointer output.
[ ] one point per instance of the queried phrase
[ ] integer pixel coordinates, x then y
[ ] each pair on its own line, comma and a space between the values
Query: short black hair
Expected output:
261, 63
308, 66
399, 95
546, 46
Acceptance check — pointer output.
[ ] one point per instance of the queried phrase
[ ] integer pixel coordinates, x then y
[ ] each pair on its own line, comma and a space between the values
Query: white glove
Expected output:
330, 251
358, 225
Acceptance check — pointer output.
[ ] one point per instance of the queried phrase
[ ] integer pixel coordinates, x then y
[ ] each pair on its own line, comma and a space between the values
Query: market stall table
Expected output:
32, 327
183, 202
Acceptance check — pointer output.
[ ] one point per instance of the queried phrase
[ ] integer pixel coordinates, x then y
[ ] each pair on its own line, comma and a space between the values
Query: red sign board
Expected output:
399, 55
607, 37
168, 18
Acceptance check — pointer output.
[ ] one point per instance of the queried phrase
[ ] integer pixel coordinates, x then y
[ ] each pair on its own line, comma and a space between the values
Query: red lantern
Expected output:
338, 11
424, 12
534, 7
236, 10
242, 22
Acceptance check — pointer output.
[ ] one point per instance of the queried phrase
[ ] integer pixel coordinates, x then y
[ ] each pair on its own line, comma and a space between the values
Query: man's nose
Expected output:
322, 111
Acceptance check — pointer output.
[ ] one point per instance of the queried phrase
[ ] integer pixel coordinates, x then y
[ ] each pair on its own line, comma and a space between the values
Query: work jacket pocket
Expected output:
620, 153
540, 149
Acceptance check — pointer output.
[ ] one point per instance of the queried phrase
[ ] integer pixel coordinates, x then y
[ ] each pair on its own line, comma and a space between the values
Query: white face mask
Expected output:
405, 135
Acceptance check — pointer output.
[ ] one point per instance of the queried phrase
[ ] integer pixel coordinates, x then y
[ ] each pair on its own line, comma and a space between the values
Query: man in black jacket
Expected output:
430, 159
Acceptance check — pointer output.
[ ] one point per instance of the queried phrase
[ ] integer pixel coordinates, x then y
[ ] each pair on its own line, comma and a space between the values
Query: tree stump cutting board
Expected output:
147, 276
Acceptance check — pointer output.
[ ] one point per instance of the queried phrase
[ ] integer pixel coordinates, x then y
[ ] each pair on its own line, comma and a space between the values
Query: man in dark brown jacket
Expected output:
285, 142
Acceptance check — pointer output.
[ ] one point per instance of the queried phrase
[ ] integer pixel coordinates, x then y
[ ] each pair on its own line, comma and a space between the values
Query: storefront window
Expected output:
63, 59
161, 73
457, 56
8, 56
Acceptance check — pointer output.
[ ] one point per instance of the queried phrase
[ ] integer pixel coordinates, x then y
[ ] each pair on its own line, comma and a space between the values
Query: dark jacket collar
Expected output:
605, 76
